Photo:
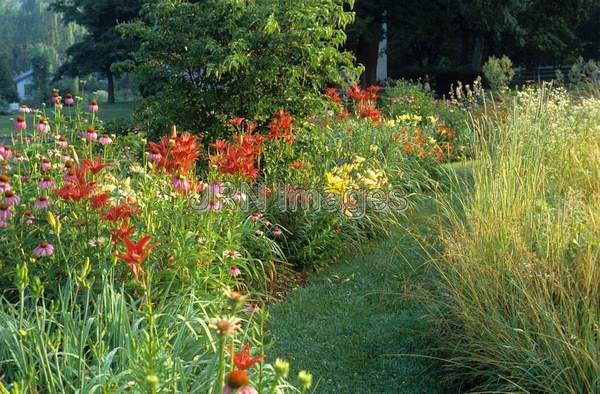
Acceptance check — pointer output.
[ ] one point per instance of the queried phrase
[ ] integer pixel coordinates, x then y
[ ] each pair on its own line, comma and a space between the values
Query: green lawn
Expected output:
358, 325
107, 112
361, 325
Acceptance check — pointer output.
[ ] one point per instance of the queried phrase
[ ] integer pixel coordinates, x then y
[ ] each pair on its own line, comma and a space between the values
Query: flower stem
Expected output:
221, 377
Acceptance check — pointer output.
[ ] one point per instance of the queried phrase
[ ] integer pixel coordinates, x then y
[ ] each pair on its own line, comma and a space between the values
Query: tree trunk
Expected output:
75, 86
111, 86
367, 54
478, 46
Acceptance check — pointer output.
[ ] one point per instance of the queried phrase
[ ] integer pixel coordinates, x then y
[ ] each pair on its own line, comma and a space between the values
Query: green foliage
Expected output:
498, 72
105, 341
203, 62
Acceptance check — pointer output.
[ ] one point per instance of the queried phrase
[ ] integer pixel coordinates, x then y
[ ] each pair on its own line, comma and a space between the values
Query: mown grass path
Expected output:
356, 325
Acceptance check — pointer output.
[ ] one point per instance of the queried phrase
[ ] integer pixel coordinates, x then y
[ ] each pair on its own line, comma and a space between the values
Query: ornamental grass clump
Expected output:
521, 271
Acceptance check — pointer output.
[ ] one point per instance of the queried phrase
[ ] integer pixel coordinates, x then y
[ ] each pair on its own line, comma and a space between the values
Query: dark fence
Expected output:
538, 74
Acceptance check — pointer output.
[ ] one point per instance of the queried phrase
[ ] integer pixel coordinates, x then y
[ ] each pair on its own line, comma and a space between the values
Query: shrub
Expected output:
583, 72
211, 59
406, 97
498, 72
100, 95
521, 262
121, 126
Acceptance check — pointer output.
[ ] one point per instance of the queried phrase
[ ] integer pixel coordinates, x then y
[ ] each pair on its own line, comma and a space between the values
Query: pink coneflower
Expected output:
42, 203
55, 97
28, 217
180, 183
65, 158
239, 196
62, 141
4, 185
242, 390
46, 165
234, 271
18, 157
5, 212
215, 189
43, 126
105, 139
253, 308
266, 222
255, 217
46, 183
277, 232
69, 99
69, 177
20, 123
93, 107
154, 156
11, 197
24, 109
44, 249
214, 205
232, 254
5, 153
90, 134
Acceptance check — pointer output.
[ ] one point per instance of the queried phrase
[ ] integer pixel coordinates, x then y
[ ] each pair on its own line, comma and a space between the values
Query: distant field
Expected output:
107, 112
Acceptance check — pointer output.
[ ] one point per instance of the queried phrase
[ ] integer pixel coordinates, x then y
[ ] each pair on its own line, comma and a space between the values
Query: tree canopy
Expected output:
102, 46
202, 61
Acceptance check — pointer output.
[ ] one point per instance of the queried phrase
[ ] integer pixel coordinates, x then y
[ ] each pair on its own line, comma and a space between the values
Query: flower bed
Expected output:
136, 264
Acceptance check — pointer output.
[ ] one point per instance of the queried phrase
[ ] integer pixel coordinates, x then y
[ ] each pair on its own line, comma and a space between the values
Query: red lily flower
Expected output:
95, 166
236, 122
123, 211
178, 154
120, 233
371, 113
99, 200
240, 155
136, 254
333, 95
280, 125
219, 145
77, 188
242, 360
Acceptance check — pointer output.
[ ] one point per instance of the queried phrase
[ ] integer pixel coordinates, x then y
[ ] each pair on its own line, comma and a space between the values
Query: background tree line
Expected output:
80, 37
458, 35
31, 36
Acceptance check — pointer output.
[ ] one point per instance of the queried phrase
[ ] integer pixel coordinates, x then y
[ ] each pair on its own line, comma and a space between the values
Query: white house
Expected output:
24, 84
